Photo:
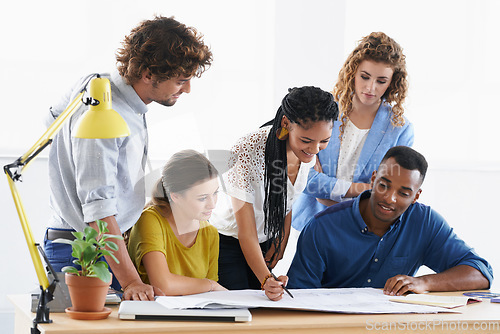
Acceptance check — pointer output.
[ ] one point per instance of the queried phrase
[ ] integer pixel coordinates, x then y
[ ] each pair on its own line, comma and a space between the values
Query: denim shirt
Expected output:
381, 137
95, 178
336, 250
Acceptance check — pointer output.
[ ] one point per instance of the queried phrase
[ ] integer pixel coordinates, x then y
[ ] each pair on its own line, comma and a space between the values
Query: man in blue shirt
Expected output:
381, 238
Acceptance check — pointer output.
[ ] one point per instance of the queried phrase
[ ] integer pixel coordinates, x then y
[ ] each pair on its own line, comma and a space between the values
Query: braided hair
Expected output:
301, 106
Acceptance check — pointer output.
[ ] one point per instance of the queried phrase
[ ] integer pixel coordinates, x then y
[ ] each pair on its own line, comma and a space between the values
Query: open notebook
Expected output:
433, 300
151, 310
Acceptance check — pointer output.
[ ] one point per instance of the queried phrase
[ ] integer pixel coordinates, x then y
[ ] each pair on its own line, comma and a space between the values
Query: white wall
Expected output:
53, 45
261, 48
308, 36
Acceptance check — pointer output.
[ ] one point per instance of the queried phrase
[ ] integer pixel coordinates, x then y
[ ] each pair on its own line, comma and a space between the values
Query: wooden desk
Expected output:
476, 318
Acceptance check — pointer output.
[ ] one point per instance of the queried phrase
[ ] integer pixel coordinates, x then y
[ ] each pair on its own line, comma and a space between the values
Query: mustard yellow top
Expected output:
152, 232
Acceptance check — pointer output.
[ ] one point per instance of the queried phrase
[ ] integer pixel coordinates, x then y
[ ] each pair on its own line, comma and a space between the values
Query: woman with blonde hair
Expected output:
172, 245
370, 90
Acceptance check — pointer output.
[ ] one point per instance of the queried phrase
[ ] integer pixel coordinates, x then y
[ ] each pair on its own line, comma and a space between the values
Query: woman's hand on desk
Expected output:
274, 288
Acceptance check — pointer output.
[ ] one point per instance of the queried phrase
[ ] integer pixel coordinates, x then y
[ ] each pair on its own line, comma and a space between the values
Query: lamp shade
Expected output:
101, 121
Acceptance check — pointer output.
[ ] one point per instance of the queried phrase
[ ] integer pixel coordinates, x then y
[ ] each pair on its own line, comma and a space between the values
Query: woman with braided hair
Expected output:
371, 88
268, 168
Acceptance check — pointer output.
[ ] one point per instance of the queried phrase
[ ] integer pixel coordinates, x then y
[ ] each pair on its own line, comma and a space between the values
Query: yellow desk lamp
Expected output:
100, 121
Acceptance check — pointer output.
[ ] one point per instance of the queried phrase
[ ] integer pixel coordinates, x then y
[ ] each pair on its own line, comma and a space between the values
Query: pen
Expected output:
286, 290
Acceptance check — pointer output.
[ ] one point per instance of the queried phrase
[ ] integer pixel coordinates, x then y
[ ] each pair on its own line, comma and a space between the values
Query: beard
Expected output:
166, 103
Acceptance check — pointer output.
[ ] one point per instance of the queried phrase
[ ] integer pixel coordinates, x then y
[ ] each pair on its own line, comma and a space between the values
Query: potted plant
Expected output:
89, 286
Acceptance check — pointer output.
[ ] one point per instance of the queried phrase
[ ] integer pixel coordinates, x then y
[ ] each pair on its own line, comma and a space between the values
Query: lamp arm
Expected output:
14, 173
28, 234
22, 162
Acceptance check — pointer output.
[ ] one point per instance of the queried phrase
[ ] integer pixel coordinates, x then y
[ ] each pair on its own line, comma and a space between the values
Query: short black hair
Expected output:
407, 158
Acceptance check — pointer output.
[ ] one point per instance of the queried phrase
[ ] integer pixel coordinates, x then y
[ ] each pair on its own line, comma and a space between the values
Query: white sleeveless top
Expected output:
353, 141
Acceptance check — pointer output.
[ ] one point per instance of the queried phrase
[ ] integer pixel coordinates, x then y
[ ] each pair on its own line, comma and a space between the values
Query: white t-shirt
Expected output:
245, 181
353, 141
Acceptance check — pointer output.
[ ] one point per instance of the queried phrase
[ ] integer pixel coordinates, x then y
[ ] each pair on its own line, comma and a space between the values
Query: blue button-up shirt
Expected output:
336, 249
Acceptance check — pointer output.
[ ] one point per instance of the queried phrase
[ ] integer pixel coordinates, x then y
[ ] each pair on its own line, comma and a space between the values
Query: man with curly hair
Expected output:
93, 179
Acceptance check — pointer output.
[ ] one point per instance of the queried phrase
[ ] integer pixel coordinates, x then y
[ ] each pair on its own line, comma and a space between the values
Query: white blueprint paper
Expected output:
346, 300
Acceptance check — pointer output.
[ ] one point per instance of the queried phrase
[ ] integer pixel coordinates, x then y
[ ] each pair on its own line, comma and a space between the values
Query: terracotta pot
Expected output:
88, 294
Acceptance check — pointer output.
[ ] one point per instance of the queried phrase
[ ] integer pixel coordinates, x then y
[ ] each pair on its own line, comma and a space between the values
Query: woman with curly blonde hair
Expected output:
371, 89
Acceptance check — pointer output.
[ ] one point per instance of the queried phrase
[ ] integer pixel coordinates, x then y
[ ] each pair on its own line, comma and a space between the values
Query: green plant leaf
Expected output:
105, 252
89, 254
111, 236
70, 270
78, 235
92, 241
76, 253
111, 245
78, 247
110, 254
114, 258
103, 226
89, 246
90, 233
104, 263
101, 270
